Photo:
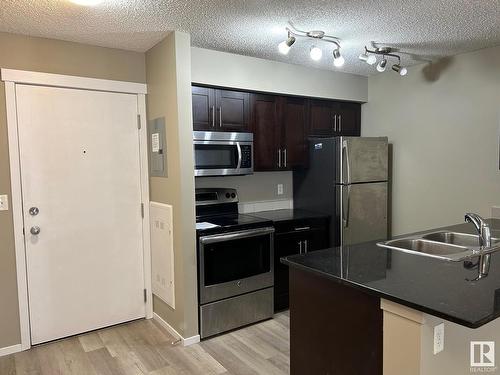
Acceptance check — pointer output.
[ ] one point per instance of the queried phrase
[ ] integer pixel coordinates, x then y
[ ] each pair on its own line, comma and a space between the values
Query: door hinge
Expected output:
142, 210
138, 121
24, 232
145, 296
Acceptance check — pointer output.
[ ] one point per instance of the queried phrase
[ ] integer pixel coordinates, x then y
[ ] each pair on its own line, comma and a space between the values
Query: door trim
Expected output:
11, 78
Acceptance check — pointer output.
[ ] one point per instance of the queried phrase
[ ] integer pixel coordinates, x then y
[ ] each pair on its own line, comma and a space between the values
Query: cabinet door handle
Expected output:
305, 246
284, 157
300, 247
302, 228
220, 117
279, 157
213, 116
340, 123
335, 123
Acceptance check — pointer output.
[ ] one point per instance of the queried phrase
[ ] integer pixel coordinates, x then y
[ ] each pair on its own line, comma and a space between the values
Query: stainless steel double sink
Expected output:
446, 245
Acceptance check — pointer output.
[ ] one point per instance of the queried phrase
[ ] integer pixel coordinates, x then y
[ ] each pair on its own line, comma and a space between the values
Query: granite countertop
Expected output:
437, 287
289, 215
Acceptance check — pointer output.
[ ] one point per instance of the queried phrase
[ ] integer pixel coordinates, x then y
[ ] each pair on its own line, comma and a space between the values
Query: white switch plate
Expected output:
439, 338
4, 203
280, 189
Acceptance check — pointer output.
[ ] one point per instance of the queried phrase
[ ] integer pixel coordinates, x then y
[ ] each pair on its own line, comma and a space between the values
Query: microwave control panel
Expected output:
246, 156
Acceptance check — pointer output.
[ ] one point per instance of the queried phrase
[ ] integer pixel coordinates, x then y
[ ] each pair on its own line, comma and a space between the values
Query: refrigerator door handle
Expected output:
346, 206
345, 152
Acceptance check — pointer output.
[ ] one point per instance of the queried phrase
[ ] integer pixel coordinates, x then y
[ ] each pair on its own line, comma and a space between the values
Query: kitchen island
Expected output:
363, 309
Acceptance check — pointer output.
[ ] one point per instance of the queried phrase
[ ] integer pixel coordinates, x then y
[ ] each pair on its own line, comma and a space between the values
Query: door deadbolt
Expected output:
35, 231
34, 211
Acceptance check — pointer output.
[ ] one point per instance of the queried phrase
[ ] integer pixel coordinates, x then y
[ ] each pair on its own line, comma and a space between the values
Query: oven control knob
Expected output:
238, 283
228, 195
233, 195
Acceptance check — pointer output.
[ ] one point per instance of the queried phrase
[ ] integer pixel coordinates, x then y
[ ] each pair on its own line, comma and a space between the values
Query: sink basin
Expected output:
446, 245
425, 247
454, 238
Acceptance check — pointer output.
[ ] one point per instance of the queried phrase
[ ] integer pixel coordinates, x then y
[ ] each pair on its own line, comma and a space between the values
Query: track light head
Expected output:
399, 69
338, 59
315, 53
382, 65
369, 59
284, 47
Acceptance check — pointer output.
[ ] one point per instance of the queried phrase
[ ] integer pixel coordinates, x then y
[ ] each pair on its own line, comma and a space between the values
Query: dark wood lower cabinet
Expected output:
292, 238
334, 329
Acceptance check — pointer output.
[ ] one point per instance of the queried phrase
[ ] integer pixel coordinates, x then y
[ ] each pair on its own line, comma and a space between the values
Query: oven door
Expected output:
235, 263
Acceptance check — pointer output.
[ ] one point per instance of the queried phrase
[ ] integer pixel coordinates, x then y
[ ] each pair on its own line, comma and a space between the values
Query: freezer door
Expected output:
363, 212
362, 159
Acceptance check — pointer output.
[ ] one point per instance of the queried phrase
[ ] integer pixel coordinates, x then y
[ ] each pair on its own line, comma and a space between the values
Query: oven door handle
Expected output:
236, 235
238, 146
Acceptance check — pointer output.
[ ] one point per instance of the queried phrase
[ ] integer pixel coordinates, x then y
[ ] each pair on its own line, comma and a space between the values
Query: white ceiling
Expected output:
428, 29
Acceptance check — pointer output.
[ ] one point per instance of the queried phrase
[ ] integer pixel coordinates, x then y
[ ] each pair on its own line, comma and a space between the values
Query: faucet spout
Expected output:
484, 232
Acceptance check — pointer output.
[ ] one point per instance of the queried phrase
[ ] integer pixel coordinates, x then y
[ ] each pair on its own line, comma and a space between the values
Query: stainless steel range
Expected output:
235, 263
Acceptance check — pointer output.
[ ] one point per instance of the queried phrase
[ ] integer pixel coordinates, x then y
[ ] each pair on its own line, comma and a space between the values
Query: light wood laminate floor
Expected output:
144, 347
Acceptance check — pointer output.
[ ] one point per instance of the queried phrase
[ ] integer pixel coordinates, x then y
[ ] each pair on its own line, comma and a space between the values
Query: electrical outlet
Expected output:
4, 203
280, 189
439, 338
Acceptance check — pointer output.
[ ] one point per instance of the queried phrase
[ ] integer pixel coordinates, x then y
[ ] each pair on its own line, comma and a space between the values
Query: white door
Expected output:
80, 167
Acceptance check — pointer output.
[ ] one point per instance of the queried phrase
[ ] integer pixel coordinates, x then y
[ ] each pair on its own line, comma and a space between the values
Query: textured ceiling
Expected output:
424, 29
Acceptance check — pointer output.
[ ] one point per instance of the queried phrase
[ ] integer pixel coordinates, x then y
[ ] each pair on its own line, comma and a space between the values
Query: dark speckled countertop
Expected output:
430, 285
289, 215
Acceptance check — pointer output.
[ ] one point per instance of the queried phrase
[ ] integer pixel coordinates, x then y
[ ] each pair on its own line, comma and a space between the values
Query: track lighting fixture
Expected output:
284, 46
381, 65
370, 57
315, 52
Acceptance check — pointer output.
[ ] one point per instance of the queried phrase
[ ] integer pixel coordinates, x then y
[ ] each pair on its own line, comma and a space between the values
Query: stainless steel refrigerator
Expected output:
347, 179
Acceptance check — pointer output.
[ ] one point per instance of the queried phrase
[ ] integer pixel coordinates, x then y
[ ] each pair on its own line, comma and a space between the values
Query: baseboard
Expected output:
185, 341
11, 350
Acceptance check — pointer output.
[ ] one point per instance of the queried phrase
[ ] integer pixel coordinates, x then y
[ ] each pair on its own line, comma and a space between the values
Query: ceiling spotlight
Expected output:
338, 59
87, 3
315, 53
369, 59
401, 70
284, 47
381, 65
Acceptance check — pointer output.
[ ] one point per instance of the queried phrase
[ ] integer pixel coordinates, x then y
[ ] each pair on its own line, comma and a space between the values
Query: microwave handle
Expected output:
238, 146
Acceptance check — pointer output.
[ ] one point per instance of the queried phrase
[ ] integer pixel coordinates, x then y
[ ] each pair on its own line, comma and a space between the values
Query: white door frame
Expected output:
12, 77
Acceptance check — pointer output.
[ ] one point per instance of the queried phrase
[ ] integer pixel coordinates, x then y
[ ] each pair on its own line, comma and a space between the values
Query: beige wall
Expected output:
443, 123
45, 55
169, 96
258, 187
230, 70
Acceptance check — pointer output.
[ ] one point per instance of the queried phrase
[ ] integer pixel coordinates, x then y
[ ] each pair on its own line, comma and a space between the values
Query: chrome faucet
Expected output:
484, 232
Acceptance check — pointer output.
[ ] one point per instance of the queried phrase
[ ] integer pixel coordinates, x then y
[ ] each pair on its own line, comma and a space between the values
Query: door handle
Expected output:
305, 246
284, 157
340, 123
300, 247
335, 122
346, 207
345, 152
35, 231
213, 116
279, 157
220, 117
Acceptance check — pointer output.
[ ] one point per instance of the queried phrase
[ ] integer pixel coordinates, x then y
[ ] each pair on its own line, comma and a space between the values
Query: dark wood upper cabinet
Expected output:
321, 117
349, 118
203, 108
233, 109
332, 118
266, 129
295, 131
220, 110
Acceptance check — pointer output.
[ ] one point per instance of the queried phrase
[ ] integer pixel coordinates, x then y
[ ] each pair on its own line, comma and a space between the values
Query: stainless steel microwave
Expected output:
222, 153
